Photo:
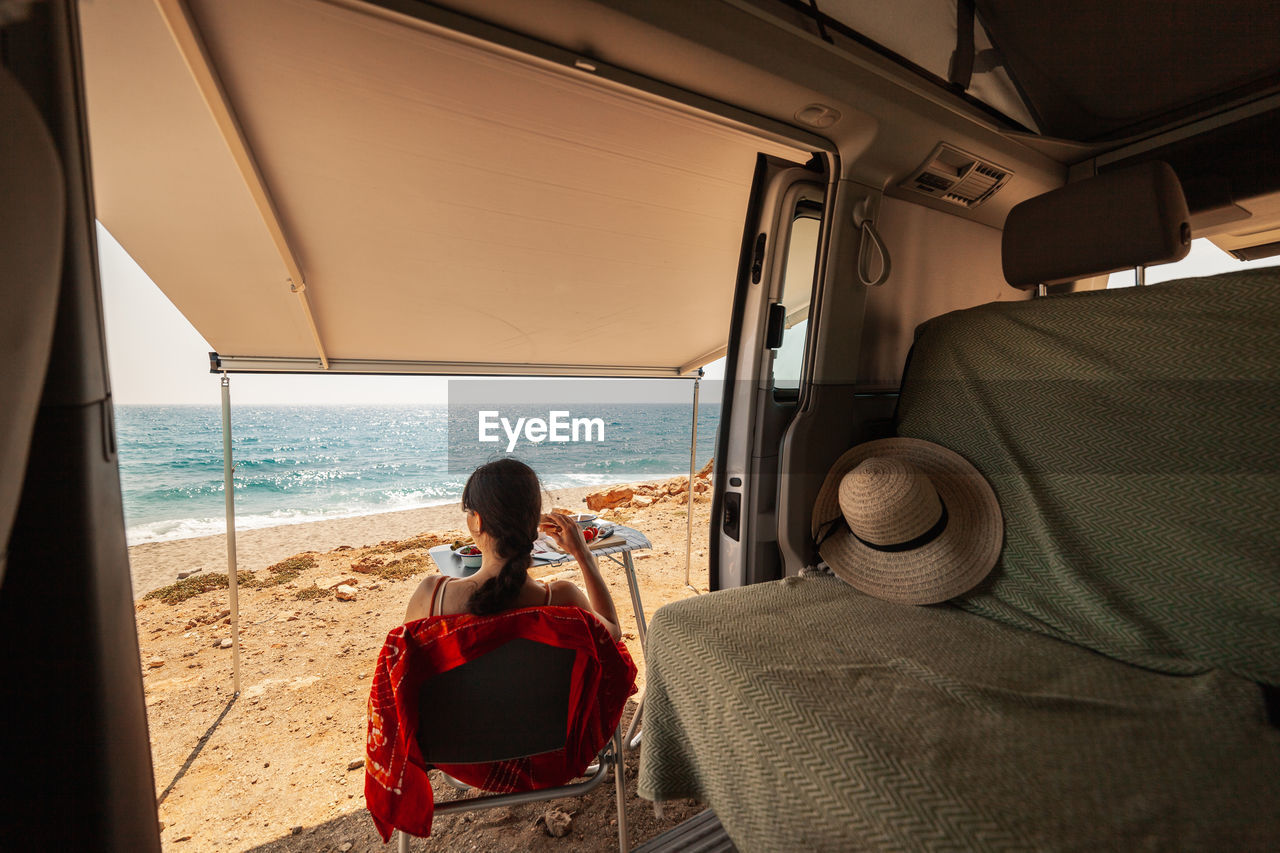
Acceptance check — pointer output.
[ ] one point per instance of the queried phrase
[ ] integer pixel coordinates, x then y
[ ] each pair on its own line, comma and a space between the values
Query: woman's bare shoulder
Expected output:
568, 594
420, 602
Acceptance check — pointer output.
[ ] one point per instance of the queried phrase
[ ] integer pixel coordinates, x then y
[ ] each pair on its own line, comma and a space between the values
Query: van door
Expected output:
73, 722
764, 365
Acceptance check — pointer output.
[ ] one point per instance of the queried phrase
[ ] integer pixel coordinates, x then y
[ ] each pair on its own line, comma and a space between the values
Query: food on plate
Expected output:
471, 556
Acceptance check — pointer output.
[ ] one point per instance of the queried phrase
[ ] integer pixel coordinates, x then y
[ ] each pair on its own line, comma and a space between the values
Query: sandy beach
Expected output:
280, 767
154, 564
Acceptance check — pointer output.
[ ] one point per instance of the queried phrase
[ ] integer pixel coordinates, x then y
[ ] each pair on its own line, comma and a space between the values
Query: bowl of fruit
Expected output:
470, 555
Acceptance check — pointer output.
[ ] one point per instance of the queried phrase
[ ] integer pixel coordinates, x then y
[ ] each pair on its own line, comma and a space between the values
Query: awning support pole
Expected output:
229, 493
693, 457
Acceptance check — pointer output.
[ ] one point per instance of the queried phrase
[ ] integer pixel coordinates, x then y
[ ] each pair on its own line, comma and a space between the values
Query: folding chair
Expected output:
510, 703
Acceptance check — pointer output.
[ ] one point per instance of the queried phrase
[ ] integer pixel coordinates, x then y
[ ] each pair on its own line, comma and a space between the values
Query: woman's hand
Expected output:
564, 531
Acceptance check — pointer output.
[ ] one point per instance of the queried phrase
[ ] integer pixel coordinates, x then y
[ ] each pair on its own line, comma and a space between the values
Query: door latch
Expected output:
757, 259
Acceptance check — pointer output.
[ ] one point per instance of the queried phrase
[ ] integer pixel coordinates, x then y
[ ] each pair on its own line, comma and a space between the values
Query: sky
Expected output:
1203, 259
157, 357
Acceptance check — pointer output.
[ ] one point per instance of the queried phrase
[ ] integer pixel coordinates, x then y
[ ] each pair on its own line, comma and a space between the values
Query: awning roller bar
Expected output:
372, 367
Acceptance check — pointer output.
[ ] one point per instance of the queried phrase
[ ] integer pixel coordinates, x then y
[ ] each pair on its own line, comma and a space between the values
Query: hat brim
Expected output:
953, 563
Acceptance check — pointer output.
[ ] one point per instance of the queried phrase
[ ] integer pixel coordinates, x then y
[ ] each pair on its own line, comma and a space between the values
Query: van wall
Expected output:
941, 263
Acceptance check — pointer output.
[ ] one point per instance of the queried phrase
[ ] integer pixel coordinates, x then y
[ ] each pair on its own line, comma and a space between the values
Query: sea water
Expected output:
296, 464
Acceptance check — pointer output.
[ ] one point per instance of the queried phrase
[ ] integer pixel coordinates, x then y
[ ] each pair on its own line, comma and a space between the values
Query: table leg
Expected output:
632, 738
636, 606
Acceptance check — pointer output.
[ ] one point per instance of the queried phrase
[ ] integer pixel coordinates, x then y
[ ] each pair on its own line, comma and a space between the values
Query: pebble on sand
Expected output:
555, 822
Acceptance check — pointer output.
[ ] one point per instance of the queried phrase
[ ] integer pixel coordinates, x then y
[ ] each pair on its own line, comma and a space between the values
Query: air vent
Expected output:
957, 178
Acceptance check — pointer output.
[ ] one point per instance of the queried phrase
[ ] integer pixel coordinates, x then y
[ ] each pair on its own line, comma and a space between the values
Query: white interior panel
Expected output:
941, 263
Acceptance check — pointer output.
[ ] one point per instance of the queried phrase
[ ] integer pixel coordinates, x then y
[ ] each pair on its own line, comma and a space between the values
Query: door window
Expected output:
797, 292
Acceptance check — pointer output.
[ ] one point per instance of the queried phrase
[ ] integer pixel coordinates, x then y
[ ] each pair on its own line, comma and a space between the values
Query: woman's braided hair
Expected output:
506, 495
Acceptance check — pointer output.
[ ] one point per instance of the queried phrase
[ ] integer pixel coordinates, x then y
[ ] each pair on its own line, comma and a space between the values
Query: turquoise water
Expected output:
306, 463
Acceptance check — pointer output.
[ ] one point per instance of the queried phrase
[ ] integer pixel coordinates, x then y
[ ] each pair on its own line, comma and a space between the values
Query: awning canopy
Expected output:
333, 185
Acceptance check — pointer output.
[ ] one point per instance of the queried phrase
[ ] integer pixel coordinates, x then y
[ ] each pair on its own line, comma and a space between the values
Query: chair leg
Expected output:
620, 788
632, 738
402, 841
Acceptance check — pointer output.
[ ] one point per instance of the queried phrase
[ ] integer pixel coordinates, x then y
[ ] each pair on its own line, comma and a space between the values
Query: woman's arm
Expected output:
598, 593
597, 600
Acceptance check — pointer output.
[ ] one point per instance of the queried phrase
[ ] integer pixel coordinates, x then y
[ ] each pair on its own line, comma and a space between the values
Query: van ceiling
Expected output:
1103, 70
1089, 70
1104, 84
922, 34
450, 205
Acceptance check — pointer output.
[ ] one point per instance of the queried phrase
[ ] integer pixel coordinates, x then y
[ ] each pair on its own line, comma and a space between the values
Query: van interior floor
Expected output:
701, 833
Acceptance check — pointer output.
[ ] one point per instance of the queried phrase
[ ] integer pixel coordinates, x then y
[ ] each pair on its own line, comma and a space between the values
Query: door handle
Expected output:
732, 516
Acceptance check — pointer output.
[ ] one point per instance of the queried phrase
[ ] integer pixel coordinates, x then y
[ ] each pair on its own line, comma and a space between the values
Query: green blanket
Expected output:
811, 717
1133, 440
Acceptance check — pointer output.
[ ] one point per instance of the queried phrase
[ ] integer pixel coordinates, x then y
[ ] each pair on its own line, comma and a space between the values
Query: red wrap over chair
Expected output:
518, 703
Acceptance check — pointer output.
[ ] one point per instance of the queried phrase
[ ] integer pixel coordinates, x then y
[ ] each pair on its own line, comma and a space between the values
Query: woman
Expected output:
503, 502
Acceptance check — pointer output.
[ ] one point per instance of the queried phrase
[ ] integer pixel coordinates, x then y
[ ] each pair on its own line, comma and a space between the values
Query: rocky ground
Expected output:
280, 767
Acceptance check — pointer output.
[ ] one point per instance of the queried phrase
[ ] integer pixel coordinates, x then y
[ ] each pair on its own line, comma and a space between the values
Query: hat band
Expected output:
919, 542
829, 528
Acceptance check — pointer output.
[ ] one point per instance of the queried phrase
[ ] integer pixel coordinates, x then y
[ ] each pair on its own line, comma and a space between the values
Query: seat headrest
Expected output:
1120, 220
33, 202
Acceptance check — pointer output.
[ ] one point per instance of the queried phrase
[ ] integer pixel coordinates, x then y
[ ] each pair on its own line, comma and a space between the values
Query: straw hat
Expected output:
908, 521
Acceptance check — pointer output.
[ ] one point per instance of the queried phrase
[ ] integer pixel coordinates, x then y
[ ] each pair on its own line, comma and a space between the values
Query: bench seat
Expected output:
1102, 688
932, 728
